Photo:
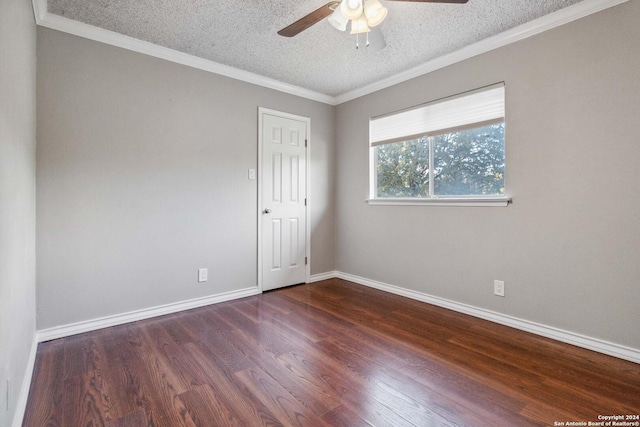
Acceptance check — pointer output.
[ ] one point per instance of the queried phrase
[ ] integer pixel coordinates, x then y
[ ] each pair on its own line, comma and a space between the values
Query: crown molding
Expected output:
39, 10
537, 26
531, 28
55, 22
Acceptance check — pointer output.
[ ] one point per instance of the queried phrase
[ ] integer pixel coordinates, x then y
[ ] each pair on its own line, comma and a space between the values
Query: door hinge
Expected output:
306, 260
305, 143
305, 202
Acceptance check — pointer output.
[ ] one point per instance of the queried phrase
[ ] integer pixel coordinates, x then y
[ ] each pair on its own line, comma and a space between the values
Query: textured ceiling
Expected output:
243, 34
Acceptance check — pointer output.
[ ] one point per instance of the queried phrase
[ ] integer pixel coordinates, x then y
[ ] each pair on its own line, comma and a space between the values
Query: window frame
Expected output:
433, 199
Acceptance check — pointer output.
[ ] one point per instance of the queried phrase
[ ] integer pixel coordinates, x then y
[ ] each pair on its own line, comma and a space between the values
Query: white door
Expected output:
283, 201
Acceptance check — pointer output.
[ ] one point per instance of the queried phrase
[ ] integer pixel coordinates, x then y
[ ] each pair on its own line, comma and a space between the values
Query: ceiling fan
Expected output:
363, 14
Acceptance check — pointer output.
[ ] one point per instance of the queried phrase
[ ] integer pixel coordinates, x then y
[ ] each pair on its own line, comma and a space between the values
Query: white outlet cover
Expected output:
498, 288
203, 274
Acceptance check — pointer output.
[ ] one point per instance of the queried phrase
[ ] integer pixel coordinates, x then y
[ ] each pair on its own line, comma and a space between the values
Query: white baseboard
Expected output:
323, 276
21, 404
147, 313
600, 346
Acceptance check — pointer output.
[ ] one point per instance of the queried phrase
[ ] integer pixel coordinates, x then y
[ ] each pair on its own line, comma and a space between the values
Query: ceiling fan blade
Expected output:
305, 22
435, 1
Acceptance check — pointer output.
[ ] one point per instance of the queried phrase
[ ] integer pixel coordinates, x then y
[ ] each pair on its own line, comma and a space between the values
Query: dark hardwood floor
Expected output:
327, 354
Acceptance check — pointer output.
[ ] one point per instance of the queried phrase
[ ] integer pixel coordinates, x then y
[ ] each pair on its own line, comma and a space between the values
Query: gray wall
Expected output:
17, 197
568, 248
142, 179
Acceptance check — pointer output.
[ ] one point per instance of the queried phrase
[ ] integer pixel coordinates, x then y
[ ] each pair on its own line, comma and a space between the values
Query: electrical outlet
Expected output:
498, 288
203, 274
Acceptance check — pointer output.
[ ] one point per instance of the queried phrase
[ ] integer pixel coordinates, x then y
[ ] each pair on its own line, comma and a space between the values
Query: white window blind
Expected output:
470, 109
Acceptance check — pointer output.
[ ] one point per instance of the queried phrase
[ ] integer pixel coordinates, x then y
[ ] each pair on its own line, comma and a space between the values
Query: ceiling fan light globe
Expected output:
338, 20
359, 26
351, 9
374, 12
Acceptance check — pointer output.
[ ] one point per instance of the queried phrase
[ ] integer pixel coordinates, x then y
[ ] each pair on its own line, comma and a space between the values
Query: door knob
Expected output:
267, 211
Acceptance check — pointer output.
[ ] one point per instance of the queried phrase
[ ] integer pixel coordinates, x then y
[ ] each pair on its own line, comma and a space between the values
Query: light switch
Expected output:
252, 174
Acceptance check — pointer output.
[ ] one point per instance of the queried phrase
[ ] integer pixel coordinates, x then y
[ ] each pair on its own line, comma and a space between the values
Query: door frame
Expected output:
261, 112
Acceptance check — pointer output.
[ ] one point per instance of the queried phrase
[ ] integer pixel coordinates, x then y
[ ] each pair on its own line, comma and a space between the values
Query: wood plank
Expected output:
205, 408
283, 404
307, 391
135, 419
232, 394
342, 416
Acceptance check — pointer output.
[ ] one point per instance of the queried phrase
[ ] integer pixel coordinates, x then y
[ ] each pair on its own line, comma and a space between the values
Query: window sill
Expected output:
444, 201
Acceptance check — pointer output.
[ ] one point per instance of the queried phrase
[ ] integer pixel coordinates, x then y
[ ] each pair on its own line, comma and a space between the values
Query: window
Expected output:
450, 150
